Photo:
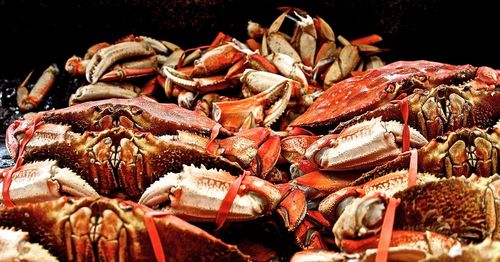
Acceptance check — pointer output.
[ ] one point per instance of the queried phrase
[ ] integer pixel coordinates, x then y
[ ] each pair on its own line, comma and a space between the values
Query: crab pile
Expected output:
303, 147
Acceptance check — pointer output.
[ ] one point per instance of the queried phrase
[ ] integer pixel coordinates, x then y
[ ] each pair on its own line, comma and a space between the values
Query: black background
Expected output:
37, 33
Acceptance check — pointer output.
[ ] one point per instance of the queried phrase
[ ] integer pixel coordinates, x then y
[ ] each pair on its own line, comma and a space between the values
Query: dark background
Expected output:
37, 33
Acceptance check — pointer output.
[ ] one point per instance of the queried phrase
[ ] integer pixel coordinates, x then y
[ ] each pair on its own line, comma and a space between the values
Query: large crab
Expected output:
463, 152
122, 146
101, 229
439, 110
121, 152
374, 88
428, 204
463, 208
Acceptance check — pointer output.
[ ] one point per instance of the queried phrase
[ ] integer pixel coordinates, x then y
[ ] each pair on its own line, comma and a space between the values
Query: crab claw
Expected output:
258, 81
43, 181
293, 148
107, 56
28, 100
361, 146
196, 194
104, 90
216, 59
15, 246
199, 85
76, 66
249, 112
289, 68
293, 207
361, 218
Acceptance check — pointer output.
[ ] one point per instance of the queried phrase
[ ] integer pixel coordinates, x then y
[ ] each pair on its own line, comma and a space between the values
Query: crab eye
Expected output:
390, 88
136, 110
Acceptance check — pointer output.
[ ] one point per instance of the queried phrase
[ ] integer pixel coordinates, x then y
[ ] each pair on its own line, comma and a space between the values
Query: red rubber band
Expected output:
367, 40
386, 232
213, 134
153, 233
406, 129
412, 171
6, 174
228, 200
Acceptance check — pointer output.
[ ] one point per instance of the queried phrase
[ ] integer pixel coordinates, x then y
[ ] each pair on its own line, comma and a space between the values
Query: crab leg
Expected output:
76, 66
104, 90
106, 57
198, 85
305, 38
216, 60
343, 65
28, 100
233, 114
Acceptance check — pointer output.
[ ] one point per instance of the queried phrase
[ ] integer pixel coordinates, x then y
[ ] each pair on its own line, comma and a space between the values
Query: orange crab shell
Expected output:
373, 88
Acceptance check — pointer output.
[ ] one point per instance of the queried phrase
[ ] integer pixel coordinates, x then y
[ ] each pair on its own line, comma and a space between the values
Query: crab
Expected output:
375, 88
428, 248
102, 229
427, 221
314, 45
127, 59
122, 146
439, 110
357, 214
28, 100
464, 152
262, 109
334, 204
472, 217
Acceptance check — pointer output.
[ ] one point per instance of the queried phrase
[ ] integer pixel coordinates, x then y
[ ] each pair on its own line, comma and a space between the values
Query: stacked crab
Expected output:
273, 77
447, 187
118, 178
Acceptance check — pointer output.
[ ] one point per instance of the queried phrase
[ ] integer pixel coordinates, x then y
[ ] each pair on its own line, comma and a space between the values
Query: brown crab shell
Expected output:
119, 160
102, 229
144, 113
442, 109
454, 207
463, 152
